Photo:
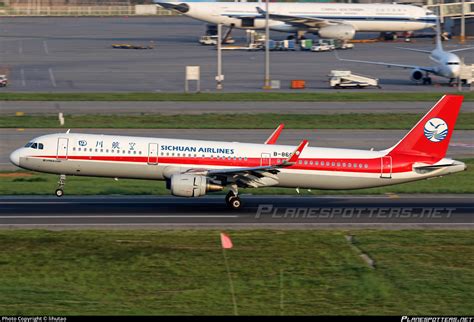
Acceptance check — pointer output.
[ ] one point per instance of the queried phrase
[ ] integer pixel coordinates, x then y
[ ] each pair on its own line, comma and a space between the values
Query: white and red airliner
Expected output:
192, 168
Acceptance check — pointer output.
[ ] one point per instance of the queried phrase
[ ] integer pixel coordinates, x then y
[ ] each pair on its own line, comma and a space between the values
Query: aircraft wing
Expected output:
300, 21
251, 177
417, 50
240, 15
423, 68
460, 49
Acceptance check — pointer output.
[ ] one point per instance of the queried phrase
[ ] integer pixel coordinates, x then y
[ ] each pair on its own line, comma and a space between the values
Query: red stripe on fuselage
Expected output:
401, 163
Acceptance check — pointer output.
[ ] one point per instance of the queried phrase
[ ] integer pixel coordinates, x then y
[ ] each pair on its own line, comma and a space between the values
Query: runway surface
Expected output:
77, 108
461, 145
429, 211
73, 54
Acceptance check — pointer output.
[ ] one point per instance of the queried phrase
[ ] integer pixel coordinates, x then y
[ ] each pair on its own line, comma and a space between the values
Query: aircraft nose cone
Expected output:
15, 158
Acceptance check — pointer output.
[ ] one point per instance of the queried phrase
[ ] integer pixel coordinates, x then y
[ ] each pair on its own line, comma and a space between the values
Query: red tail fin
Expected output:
431, 135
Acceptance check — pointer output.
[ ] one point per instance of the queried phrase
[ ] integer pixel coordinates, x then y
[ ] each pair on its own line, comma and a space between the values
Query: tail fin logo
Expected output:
436, 130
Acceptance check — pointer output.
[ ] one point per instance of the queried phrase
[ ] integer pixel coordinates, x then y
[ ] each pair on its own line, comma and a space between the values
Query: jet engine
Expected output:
342, 32
416, 75
188, 185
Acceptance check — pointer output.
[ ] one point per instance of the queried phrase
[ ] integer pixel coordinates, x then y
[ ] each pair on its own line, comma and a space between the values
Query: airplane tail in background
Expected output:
431, 135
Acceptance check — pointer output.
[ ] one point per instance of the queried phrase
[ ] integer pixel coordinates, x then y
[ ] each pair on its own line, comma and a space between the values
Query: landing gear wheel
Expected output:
427, 81
61, 183
235, 203
59, 192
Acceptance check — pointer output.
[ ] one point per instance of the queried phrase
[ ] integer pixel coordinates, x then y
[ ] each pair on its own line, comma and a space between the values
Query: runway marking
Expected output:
51, 76
22, 73
20, 47
306, 225
118, 216
111, 202
45, 47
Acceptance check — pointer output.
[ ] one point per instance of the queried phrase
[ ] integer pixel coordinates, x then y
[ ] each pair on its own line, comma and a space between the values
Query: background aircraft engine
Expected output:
416, 75
187, 185
342, 32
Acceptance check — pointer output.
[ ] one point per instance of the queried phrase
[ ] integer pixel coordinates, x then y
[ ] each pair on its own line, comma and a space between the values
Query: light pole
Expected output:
463, 24
267, 84
219, 77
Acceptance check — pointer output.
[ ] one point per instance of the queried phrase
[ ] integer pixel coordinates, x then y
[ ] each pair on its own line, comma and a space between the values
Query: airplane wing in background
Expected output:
426, 51
423, 68
460, 49
253, 177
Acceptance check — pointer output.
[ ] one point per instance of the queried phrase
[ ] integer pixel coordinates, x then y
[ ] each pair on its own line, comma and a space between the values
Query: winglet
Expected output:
275, 135
293, 158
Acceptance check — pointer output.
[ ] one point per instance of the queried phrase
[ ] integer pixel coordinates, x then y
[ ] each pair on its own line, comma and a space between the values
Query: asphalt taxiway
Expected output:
75, 54
425, 211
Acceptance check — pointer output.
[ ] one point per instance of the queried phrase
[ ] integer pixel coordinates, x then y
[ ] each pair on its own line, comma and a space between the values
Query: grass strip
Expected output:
312, 272
229, 121
32, 183
336, 96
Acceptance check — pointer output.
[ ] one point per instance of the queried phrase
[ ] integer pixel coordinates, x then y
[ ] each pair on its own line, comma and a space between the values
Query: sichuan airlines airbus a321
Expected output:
192, 168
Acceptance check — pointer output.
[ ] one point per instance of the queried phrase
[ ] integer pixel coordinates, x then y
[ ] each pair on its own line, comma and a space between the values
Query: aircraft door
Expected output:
386, 167
265, 159
61, 152
152, 153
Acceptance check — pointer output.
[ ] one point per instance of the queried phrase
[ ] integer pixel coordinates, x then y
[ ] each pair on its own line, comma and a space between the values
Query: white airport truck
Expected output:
347, 79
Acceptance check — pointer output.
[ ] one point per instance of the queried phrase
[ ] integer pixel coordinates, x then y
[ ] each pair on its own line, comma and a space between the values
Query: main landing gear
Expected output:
232, 198
427, 80
61, 183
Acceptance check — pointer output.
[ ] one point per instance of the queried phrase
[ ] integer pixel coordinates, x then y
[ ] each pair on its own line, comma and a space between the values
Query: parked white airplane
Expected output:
447, 64
329, 20
192, 168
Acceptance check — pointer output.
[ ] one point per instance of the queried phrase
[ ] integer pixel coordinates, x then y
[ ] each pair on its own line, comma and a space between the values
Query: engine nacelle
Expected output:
188, 185
342, 32
416, 75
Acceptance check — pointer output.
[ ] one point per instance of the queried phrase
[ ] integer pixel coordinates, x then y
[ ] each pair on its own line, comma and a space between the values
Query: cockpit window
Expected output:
452, 63
34, 145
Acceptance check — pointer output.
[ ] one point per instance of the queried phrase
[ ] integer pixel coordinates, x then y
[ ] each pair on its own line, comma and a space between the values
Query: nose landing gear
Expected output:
61, 183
